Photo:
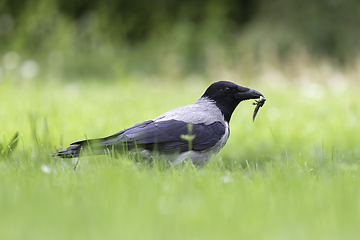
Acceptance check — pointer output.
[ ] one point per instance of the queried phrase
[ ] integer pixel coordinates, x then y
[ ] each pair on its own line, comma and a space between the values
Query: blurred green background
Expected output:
174, 40
75, 68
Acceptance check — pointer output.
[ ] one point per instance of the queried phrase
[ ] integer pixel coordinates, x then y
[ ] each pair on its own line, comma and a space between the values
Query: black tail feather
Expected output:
96, 147
70, 152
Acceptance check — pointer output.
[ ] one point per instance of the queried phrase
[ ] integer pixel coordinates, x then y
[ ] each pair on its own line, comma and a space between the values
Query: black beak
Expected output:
247, 93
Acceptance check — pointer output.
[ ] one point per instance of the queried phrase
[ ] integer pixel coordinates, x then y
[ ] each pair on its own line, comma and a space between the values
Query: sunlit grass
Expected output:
293, 174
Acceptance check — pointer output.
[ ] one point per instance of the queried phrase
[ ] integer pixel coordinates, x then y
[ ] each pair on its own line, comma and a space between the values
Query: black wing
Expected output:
165, 136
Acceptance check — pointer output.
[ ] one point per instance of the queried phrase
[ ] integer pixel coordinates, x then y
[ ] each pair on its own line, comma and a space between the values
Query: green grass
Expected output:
293, 174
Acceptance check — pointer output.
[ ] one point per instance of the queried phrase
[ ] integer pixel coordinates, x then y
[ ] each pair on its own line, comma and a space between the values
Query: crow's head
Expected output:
228, 95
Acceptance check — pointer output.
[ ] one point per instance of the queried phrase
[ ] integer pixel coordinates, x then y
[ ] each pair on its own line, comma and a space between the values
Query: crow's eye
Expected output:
227, 90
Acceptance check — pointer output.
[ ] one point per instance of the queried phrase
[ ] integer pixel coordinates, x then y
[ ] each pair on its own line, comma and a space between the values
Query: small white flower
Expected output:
226, 179
45, 169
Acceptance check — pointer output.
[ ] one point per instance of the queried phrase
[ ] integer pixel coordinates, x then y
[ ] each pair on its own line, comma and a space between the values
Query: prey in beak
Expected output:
259, 103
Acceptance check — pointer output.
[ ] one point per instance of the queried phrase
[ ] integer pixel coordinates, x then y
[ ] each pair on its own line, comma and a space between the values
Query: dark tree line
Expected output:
325, 27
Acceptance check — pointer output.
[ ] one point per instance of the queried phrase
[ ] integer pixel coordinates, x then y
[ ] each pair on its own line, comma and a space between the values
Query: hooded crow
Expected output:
197, 132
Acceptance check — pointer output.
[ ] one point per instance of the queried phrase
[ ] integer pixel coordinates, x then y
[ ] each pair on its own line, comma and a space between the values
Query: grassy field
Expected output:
293, 174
